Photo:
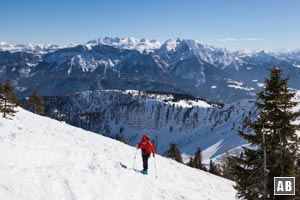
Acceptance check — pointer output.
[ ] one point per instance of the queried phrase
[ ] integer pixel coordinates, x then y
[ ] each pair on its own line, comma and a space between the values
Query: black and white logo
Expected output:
284, 185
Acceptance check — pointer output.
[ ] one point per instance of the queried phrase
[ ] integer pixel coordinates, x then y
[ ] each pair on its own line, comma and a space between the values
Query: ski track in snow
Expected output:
43, 159
131, 179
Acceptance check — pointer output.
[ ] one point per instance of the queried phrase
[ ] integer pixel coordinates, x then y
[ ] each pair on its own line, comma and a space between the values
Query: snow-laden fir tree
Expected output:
274, 142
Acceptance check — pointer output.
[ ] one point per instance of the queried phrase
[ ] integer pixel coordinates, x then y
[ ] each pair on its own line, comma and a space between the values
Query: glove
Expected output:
153, 155
137, 146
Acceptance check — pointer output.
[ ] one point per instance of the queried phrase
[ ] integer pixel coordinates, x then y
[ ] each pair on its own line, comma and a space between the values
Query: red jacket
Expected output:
145, 145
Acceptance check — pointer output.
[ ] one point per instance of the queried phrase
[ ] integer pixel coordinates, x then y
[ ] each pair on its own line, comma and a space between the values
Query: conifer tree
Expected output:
36, 103
191, 163
274, 142
198, 160
226, 167
9, 100
297, 179
1, 97
123, 138
174, 153
214, 169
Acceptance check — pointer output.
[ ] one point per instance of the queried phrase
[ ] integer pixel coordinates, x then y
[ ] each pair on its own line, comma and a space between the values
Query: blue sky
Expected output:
234, 24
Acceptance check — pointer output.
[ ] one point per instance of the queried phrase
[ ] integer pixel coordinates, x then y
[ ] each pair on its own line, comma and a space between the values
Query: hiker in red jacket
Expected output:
146, 146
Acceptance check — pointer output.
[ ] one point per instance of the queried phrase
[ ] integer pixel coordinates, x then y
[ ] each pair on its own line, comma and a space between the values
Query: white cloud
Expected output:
252, 39
237, 40
227, 39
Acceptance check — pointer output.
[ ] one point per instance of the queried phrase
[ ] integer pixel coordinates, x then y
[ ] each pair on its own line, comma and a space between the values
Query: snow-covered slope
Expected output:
46, 159
169, 118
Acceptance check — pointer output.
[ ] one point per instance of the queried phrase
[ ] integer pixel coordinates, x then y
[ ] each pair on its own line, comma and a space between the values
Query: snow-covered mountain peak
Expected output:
261, 57
194, 45
171, 44
219, 57
243, 53
4, 46
46, 159
29, 47
127, 43
262, 53
2, 43
37, 47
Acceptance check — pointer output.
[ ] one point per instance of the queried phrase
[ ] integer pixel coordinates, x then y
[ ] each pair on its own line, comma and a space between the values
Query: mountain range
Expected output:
177, 65
179, 91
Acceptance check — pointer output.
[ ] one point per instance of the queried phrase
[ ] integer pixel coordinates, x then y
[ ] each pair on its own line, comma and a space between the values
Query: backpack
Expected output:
145, 148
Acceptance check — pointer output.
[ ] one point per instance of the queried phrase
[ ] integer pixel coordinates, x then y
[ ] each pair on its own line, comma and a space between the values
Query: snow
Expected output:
30, 47
296, 65
241, 88
2, 43
238, 85
260, 84
212, 150
166, 99
168, 119
171, 44
186, 48
86, 63
126, 43
5, 46
191, 104
45, 159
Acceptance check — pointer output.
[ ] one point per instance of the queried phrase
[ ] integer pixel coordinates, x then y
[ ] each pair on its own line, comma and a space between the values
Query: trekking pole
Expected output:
134, 158
155, 167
